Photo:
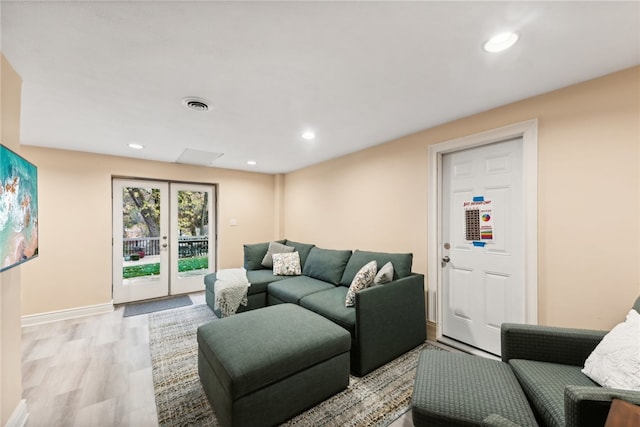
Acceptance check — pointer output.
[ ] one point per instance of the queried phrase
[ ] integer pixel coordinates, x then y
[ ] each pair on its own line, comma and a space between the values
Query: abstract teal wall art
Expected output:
18, 209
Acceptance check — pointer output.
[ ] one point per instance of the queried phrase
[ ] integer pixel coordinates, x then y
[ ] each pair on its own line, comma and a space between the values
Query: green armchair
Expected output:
547, 362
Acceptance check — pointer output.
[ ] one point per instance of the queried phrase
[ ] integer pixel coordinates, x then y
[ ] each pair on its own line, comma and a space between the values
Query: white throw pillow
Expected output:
287, 264
615, 362
363, 279
385, 275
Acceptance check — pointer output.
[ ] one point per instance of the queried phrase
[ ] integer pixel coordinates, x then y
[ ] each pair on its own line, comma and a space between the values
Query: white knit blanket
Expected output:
230, 290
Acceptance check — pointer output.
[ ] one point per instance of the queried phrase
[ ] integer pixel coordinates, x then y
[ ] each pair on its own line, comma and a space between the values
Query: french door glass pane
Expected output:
140, 233
193, 232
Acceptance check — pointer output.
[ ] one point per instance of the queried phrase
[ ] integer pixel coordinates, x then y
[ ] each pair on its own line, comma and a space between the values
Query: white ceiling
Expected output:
100, 74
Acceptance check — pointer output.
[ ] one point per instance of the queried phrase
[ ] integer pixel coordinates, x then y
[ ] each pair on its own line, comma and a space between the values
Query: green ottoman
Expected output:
262, 367
456, 389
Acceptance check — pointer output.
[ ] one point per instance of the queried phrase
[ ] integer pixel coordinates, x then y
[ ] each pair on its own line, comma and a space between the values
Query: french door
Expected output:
163, 238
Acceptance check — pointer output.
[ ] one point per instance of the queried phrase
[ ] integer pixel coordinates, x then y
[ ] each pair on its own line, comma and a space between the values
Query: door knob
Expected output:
445, 260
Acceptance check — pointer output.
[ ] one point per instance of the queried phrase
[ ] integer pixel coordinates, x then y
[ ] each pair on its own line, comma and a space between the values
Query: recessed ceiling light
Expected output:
308, 135
136, 146
252, 162
500, 42
194, 103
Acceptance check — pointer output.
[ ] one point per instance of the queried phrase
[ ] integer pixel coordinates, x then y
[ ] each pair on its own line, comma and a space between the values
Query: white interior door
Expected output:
140, 240
483, 241
192, 236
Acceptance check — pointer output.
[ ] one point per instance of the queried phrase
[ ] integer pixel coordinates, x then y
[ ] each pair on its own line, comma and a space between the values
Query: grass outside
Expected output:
185, 264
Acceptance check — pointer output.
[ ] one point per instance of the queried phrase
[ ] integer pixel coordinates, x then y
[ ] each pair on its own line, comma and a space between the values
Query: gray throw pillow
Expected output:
385, 274
275, 248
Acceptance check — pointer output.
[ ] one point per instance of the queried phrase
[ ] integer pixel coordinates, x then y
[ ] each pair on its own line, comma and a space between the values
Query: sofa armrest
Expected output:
587, 406
548, 344
390, 320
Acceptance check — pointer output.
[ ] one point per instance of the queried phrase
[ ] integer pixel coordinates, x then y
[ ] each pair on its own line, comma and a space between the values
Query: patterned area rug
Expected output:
374, 400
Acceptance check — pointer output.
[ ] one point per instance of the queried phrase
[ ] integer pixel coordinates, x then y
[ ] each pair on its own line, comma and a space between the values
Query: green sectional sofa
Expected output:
386, 321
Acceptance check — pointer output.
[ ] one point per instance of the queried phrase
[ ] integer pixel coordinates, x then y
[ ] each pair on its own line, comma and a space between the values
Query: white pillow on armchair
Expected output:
615, 362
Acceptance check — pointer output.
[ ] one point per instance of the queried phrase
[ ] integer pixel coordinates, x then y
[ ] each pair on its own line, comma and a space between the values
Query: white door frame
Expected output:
528, 130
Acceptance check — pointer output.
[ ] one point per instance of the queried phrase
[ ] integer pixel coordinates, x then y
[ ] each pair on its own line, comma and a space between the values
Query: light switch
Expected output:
233, 222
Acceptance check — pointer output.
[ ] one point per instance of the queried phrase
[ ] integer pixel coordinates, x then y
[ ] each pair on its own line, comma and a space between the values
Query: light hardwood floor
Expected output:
94, 371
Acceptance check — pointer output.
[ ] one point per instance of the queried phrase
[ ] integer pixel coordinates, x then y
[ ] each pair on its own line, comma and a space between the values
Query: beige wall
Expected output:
74, 266
376, 199
10, 328
588, 162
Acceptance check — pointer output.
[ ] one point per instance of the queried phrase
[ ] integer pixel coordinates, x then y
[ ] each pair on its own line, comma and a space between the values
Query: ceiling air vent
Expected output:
198, 104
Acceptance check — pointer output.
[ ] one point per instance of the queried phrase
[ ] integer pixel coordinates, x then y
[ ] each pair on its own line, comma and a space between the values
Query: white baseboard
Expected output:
71, 313
432, 332
19, 416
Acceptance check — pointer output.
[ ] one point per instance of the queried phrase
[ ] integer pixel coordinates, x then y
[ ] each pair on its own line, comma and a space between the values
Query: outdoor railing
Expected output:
188, 246
141, 245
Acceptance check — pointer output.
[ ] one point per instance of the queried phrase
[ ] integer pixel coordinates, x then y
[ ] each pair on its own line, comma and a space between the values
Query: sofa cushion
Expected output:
293, 289
402, 264
330, 304
363, 280
544, 385
302, 248
259, 280
615, 362
275, 248
254, 254
327, 264
287, 264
